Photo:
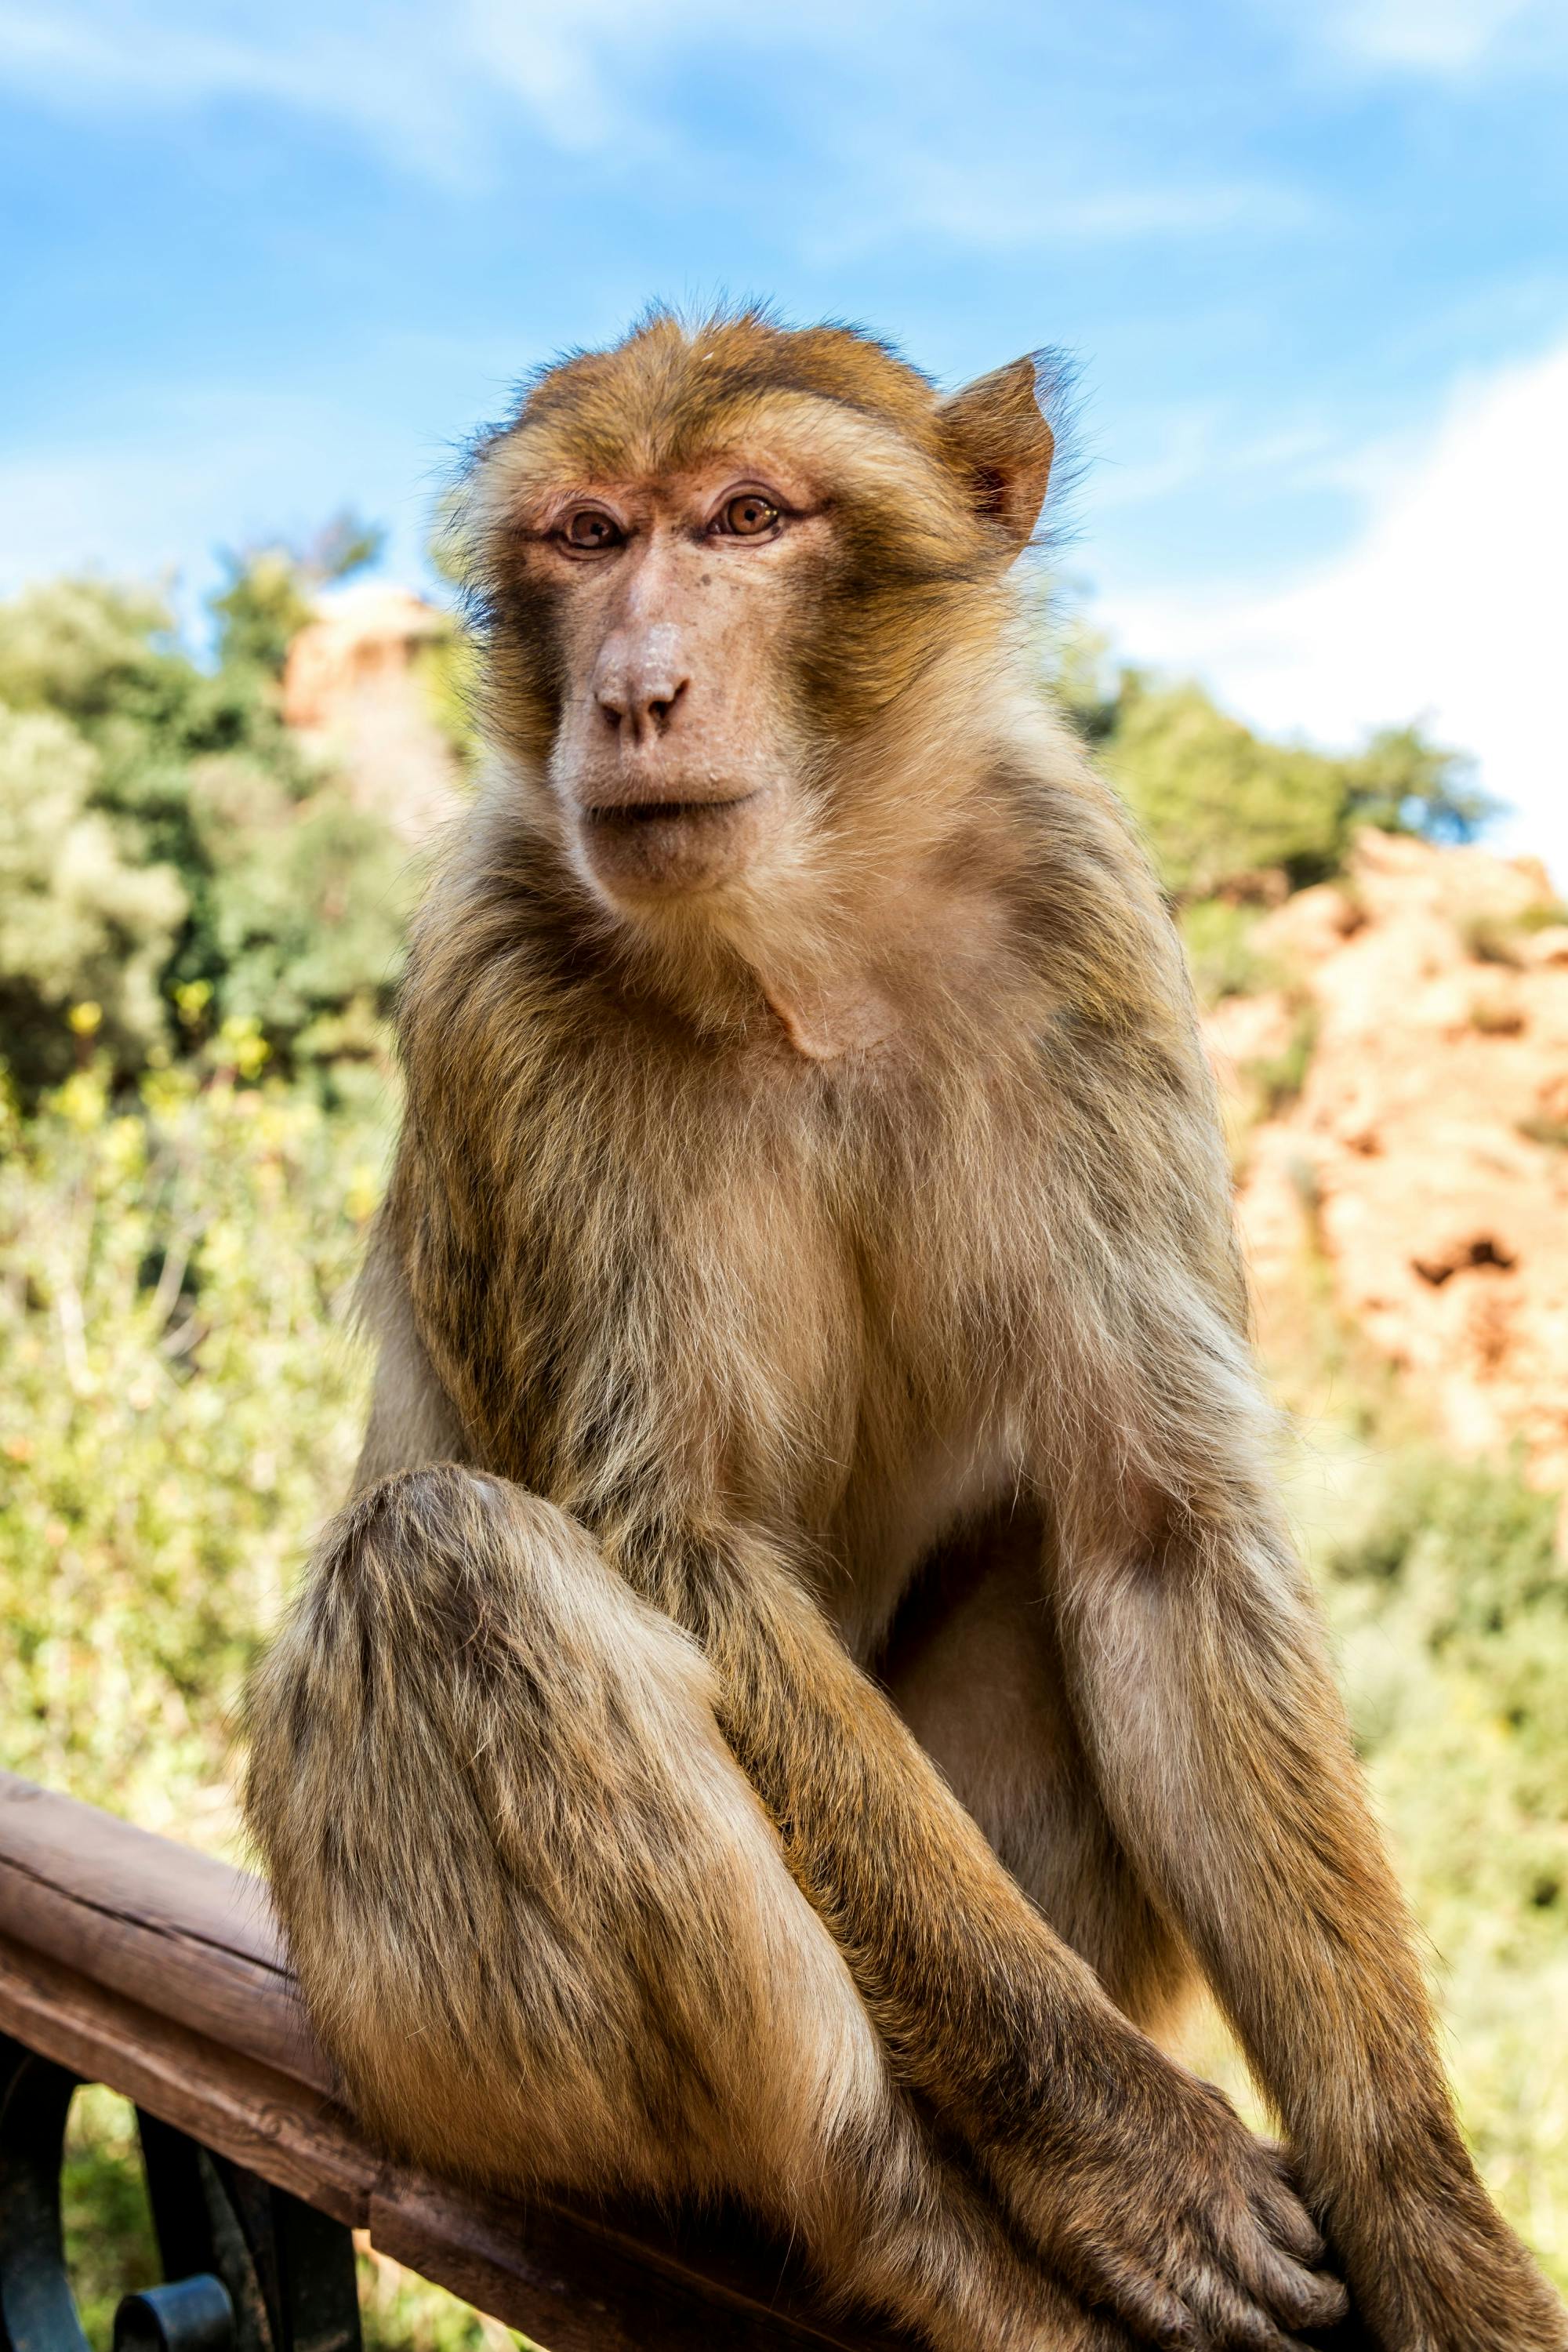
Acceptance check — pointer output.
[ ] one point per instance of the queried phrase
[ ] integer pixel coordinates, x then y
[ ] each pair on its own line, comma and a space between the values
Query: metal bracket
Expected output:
288, 2269
194, 2315
249, 2267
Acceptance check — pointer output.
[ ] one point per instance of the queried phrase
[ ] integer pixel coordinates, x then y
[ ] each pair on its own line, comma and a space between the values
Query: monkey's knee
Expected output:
411, 1593
447, 1551
539, 1916
405, 1731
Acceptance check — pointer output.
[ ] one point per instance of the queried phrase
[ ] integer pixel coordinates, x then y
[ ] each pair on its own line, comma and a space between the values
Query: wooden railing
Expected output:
130, 1960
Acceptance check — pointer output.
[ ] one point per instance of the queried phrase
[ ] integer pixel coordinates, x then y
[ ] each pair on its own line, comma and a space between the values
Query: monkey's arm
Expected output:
1198, 1670
413, 1421
1135, 2178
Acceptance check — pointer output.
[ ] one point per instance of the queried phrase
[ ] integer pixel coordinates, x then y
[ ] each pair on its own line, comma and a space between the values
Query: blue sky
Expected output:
1312, 261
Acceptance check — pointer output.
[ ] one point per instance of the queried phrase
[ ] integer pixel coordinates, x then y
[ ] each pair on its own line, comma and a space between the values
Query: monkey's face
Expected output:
679, 754
713, 561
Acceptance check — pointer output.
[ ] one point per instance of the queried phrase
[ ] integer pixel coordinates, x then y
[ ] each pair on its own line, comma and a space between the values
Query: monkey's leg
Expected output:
1220, 1747
546, 1929
976, 1671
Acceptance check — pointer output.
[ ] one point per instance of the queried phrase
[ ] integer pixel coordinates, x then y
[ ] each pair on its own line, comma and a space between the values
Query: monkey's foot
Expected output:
1445, 2273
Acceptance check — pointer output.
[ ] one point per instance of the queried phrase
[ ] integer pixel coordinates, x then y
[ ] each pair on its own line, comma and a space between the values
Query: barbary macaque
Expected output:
814, 1670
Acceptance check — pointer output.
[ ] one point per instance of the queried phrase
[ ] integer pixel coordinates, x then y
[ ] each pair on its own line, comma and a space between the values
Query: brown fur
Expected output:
816, 1247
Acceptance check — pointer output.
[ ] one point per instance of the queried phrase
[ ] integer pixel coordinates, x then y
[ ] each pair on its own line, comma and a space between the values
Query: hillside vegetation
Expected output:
199, 943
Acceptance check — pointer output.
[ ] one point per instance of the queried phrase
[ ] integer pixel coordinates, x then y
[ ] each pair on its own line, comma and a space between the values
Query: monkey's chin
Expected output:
663, 849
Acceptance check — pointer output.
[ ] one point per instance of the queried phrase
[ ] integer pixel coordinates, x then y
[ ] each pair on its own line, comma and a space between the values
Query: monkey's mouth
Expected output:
631, 814
641, 849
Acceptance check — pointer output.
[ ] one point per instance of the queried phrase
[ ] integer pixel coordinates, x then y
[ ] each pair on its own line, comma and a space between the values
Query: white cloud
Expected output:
992, 198
1436, 37
1194, 446
1451, 605
440, 93
399, 71
397, 88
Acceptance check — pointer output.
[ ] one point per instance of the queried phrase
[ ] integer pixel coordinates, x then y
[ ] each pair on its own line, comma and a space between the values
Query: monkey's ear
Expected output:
1000, 445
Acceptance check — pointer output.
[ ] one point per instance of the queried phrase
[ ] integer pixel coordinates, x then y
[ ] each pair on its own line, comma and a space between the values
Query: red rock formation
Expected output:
352, 687
1427, 1155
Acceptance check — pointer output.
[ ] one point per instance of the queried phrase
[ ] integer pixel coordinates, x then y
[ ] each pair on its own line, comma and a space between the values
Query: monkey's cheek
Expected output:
646, 853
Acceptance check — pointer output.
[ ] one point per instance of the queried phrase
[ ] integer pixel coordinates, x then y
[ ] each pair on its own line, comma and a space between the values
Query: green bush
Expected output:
1450, 1601
180, 1408
1448, 1606
179, 1412
1222, 806
1221, 956
81, 920
161, 831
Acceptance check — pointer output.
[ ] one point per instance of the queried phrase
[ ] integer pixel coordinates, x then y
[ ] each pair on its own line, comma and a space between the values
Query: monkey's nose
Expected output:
641, 707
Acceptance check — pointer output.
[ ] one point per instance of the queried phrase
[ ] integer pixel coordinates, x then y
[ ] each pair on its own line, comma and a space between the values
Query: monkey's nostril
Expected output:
661, 709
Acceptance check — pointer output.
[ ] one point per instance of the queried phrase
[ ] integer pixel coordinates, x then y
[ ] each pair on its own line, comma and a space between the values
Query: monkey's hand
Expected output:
1147, 2191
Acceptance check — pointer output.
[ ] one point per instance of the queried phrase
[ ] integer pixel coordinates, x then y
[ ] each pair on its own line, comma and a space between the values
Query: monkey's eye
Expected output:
747, 516
589, 530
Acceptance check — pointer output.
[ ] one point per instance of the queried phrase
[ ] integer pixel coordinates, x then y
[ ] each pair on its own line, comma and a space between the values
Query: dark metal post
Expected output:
38, 2310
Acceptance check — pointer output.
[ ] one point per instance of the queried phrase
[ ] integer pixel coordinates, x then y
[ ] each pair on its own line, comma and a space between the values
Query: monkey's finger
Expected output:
1288, 2220
1149, 2306
1296, 2295
1282, 2206
1234, 2320
1306, 2298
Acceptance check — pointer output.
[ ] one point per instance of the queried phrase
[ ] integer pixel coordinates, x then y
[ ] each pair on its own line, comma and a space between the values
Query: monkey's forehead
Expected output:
671, 392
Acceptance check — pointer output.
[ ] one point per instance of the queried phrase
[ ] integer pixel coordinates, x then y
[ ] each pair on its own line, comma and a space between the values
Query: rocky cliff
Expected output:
354, 688
1420, 1173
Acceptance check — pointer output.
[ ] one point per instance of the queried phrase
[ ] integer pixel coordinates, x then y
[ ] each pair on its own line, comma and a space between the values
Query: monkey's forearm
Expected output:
1137, 2179
968, 1984
1199, 1677
1220, 1748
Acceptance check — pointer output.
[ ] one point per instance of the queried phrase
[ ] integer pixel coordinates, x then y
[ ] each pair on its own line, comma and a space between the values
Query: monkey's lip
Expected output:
656, 812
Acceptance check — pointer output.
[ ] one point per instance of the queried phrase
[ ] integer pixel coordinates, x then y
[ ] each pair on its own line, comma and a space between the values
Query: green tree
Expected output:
1222, 805
83, 926
168, 852
1405, 784
1217, 801
265, 600
260, 611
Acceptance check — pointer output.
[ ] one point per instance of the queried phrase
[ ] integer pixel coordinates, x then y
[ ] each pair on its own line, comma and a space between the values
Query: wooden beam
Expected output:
138, 1963
276, 2125
186, 1935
